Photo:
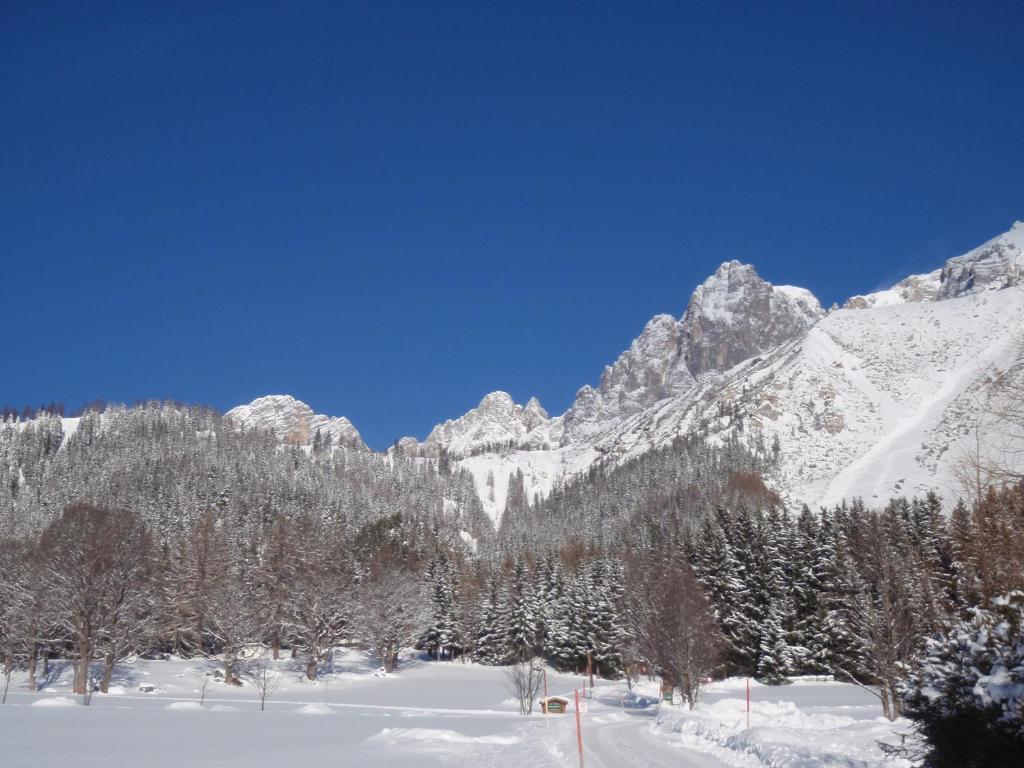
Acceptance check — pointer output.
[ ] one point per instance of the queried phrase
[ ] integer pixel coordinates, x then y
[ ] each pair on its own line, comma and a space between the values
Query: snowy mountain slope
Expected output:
866, 404
874, 399
996, 264
294, 421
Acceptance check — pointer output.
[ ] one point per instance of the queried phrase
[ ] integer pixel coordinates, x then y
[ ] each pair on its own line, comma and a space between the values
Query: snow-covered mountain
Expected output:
496, 422
996, 264
295, 423
873, 399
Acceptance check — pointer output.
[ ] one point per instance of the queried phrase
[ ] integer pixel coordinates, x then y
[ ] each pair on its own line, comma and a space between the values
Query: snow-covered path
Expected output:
627, 741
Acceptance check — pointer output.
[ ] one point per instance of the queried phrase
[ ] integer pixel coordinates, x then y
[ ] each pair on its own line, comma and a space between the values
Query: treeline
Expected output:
27, 412
851, 591
171, 464
96, 586
661, 494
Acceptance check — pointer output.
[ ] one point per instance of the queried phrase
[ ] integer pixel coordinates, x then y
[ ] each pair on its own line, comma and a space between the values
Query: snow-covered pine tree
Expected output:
717, 569
776, 658
489, 644
967, 692
443, 636
521, 616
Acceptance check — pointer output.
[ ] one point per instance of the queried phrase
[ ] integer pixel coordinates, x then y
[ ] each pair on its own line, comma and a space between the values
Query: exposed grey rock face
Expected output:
646, 372
999, 263
911, 289
735, 315
294, 422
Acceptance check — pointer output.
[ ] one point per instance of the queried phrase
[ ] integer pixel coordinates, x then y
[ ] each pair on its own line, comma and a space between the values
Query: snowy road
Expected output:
629, 742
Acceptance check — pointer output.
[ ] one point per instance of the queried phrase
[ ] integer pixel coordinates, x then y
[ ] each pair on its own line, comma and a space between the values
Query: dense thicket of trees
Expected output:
171, 465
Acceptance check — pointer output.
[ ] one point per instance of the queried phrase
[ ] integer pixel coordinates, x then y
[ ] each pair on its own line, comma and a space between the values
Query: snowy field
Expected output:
426, 714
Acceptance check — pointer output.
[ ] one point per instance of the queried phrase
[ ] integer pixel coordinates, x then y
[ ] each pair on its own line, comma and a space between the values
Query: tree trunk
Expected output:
311, 667
275, 645
8, 668
81, 681
229, 678
108, 673
46, 661
83, 649
33, 655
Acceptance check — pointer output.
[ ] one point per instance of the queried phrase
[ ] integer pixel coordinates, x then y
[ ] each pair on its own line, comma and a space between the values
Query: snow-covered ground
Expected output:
426, 714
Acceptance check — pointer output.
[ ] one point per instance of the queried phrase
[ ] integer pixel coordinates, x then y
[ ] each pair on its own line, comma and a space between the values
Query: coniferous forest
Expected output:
161, 529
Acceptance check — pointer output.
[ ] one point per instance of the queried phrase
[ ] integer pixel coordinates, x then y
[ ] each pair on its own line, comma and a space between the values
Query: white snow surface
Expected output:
425, 714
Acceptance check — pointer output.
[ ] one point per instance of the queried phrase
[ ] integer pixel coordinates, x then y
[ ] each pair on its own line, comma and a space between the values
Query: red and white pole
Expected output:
579, 730
748, 703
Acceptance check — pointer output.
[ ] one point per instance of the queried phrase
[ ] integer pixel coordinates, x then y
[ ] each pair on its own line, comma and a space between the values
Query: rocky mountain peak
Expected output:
735, 315
295, 422
642, 375
497, 420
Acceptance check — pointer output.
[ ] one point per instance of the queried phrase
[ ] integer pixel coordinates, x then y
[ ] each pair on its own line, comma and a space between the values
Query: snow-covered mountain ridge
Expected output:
295, 423
869, 400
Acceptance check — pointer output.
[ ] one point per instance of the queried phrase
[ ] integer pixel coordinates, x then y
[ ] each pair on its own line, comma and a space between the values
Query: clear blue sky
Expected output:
391, 209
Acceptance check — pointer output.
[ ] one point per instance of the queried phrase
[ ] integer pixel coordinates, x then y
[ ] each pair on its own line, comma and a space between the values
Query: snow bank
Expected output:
56, 701
781, 734
185, 706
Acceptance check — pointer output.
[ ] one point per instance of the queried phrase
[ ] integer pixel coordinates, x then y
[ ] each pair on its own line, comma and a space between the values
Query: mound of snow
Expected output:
56, 701
314, 709
438, 736
781, 733
186, 706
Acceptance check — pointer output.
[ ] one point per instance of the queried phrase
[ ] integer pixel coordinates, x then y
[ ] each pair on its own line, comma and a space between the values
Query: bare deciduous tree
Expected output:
264, 678
95, 563
391, 612
995, 453
673, 625
317, 607
524, 681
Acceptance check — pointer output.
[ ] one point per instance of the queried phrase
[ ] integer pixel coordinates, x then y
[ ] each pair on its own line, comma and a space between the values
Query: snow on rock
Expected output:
872, 400
996, 264
648, 371
867, 404
294, 421
497, 421
735, 315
